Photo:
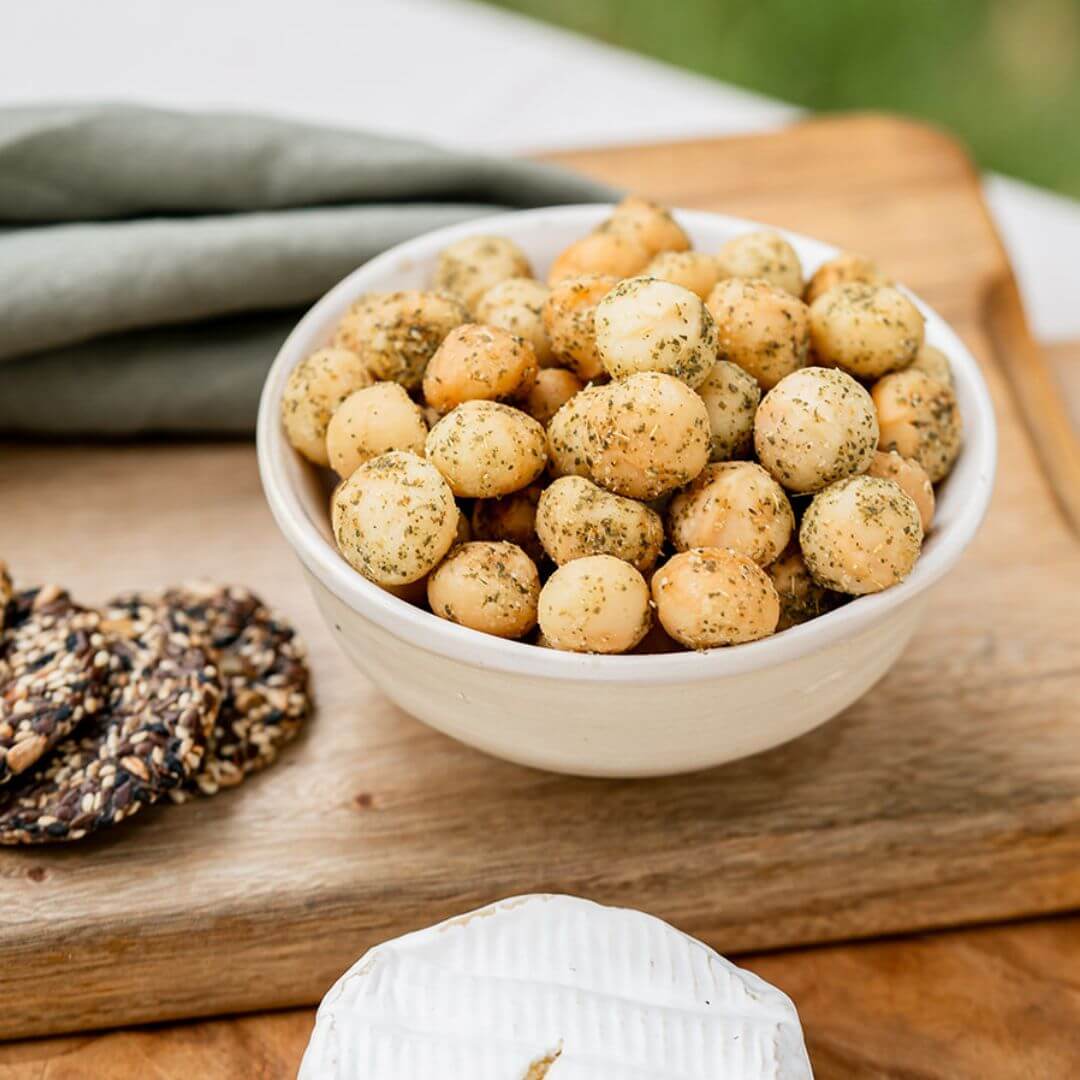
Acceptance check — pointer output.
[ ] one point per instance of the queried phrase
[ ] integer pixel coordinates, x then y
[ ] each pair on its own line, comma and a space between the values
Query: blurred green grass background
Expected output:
1004, 75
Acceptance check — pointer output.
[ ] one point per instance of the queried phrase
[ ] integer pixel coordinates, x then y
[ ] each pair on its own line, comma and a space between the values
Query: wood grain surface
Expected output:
950, 794
986, 1004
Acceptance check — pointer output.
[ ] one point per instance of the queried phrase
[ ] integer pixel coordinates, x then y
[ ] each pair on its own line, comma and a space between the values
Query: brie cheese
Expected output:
553, 987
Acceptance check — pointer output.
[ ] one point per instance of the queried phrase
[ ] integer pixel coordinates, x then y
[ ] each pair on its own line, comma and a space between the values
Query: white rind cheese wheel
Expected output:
555, 987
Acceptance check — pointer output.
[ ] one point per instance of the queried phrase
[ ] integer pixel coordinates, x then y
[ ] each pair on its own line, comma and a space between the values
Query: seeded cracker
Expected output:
52, 663
149, 738
7, 592
263, 672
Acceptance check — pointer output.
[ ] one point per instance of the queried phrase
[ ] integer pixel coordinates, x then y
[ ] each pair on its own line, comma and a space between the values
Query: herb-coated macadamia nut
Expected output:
709, 597
648, 398
486, 449
731, 396
316, 387
567, 433
491, 586
394, 518
736, 505
470, 267
653, 226
479, 363
693, 270
576, 518
606, 253
841, 270
867, 330
645, 324
935, 363
598, 604
517, 305
569, 315
765, 255
919, 419
370, 422
861, 535
801, 597
911, 477
511, 518
763, 329
646, 435
553, 388
398, 333
814, 427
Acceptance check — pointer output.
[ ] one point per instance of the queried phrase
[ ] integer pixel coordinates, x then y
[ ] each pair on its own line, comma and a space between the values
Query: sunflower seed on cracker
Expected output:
51, 669
162, 697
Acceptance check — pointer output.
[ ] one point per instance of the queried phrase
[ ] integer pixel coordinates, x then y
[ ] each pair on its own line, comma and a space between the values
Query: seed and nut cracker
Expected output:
263, 670
7, 592
162, 698
52, 664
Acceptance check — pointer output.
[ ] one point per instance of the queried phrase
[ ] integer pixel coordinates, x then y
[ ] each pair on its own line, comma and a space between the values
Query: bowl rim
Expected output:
461, 644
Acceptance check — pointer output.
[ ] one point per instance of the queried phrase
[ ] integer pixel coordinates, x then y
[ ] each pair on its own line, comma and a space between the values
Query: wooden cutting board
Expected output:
950, 794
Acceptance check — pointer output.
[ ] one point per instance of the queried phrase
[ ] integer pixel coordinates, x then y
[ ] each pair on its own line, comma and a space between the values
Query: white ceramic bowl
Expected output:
607, 715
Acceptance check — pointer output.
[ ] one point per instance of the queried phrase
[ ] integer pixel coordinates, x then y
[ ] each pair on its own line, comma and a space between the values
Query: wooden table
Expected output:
995, 1002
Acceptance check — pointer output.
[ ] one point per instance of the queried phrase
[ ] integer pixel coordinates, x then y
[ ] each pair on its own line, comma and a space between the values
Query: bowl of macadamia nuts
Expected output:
620, 491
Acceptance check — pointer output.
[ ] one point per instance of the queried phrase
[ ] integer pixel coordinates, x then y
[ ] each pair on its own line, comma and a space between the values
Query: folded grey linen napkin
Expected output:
151, 262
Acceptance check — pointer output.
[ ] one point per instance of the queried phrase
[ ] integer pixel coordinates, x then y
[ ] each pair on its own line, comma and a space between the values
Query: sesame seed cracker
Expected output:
162, 697
52, 664
263, 670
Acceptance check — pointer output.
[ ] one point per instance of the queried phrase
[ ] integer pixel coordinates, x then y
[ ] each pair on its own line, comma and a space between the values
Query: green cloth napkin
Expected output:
151, 262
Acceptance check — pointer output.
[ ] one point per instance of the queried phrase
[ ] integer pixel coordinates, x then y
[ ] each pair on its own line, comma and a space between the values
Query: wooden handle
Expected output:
1039, 395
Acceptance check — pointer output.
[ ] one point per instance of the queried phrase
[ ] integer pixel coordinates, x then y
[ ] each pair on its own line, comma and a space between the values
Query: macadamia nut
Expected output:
567, 433
479, 363
486, 449
841, 270
598, 604
576, 518
511, 518
488, 586
935, 363
651, 225
801, 597
861, 535
710, 597
814, 427
394, 518
919, 419
605, 252
397, 333
370, 422
866, 330
517, 305
693, 270
645, 324
911, 477
553, 388
765, 255
646, 435
731, 397
761, 328
569, 316
470, 267
735, 505
316, 387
